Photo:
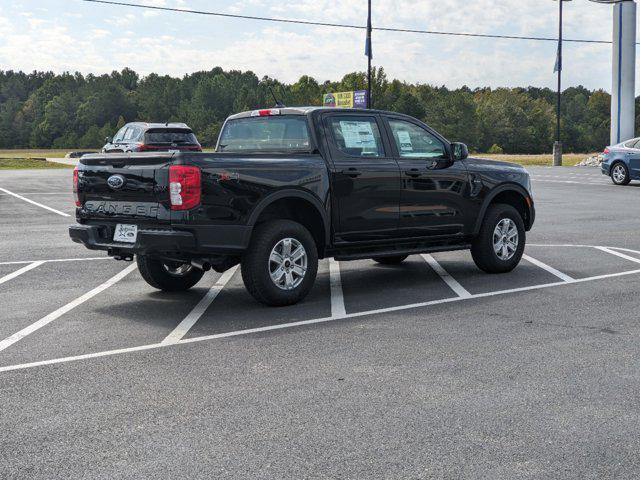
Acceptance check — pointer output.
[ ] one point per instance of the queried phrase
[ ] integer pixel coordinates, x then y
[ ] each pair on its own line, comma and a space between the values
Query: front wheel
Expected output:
166, 275
499, 246
620, 174
280, 266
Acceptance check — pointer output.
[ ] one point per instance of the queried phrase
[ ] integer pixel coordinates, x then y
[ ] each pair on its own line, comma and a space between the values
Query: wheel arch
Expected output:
300, 206
510, 194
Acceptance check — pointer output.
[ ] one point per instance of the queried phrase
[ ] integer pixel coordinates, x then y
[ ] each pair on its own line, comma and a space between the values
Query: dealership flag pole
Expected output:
369, 53
557, 146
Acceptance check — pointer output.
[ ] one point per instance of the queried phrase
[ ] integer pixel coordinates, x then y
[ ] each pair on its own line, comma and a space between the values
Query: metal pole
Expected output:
559, 74
369, 99
557, 146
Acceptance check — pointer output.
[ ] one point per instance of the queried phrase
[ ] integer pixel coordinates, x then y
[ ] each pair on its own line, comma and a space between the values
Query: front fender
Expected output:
509, 187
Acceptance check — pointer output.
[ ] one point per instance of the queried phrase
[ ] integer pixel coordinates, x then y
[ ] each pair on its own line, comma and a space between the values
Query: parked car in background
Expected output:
152, 137
622, 162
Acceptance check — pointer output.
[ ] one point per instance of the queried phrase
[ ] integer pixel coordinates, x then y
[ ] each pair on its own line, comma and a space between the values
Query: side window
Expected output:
414, 141
118, 136
357, 136
130, 134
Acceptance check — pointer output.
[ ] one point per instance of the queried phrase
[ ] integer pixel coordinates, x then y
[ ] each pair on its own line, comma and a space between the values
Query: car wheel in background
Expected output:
500, 244
168, 276
280, 266
620, 174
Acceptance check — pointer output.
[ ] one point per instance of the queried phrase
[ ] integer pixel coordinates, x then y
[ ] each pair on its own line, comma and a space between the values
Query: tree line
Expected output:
47, 110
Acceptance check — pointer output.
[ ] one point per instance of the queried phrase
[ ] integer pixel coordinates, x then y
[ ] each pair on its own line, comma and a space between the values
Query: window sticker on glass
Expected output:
358, 135
404, 139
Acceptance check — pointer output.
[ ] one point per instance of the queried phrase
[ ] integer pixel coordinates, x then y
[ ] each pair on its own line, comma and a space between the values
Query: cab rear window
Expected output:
270, 133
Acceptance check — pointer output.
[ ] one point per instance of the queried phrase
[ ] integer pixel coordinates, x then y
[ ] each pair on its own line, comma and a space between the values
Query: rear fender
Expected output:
292, 193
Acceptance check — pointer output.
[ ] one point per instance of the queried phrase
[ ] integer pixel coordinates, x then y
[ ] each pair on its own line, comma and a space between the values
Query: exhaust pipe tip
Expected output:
201, 263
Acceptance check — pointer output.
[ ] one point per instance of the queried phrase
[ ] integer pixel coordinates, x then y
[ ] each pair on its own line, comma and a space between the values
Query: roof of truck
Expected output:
300, 111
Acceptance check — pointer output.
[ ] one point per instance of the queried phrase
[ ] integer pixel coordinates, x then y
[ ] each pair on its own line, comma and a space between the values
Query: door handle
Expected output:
414, 172
351, 172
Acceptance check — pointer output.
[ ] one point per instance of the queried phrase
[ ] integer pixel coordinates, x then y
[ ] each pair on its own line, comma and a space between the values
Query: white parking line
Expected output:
194, 315
310, 322
16, 337
562, 276
19, 272
22, 262
600, 184
35, 203
337, 297
618, 254
448, 279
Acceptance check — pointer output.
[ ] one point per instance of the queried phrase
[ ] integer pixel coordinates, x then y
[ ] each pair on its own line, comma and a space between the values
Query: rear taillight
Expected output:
185, 189
76, 196
607, 151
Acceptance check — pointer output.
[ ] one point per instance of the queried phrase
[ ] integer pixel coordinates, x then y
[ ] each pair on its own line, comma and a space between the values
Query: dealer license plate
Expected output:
125, 233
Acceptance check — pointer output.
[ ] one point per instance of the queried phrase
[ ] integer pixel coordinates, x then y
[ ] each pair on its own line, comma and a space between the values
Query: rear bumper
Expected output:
196, 240
605, 168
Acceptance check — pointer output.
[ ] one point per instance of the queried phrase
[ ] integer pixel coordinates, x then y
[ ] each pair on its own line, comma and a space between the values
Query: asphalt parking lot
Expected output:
430, 369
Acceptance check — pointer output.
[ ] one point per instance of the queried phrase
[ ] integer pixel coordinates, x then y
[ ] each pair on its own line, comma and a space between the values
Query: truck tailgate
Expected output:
122, 187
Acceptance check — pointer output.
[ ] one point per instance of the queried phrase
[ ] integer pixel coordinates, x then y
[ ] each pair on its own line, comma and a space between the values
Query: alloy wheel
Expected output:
288, 264
505, 239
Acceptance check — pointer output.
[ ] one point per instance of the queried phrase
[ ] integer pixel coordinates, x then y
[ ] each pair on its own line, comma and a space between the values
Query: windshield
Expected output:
273, 133
169, 136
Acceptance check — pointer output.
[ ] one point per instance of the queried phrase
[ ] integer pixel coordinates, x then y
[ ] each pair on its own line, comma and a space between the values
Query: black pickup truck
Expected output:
287, 186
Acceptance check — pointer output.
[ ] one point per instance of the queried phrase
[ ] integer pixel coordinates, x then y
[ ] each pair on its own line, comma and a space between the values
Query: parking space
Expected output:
432, 349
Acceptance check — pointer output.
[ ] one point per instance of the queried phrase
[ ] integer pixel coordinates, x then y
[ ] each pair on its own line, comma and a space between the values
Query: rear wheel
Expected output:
499, 246
166, 275
395, 260
620, 174
280, 266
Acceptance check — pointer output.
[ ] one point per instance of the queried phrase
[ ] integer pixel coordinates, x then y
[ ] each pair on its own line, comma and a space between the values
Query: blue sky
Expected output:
71, 35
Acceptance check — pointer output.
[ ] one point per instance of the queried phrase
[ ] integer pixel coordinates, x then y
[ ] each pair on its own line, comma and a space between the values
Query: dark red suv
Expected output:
152, 137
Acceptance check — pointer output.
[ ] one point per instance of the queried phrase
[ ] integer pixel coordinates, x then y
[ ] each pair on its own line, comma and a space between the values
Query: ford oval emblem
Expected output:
115, 181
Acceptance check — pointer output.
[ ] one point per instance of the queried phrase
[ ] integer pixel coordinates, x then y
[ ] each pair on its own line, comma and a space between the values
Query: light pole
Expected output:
557, 146
369, 53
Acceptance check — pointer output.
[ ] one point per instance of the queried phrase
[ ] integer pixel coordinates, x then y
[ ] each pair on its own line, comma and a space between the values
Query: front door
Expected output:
434, 193
365, 178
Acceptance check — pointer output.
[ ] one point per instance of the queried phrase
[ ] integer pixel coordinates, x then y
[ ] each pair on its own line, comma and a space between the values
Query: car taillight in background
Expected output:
606, 151
76, 196
185, 188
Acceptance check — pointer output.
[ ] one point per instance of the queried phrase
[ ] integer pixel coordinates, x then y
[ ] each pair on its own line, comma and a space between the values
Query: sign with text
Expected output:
357, 99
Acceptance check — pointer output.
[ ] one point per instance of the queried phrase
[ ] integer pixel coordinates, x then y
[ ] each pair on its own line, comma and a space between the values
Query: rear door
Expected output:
119, 187
365, 178
434, 189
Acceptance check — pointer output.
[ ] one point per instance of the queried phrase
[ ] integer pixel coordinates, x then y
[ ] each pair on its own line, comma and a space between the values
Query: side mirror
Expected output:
107, 140
460, 151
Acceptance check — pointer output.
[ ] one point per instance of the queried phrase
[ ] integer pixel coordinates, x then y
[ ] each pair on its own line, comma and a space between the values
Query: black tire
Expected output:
159, 274
256, 263
395, 260
482, 249
627, 177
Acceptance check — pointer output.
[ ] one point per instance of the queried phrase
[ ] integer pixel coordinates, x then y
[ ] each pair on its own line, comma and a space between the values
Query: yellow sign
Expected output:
357, 99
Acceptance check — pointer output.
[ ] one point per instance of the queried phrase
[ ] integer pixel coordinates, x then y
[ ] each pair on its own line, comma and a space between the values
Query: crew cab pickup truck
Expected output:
288, 186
